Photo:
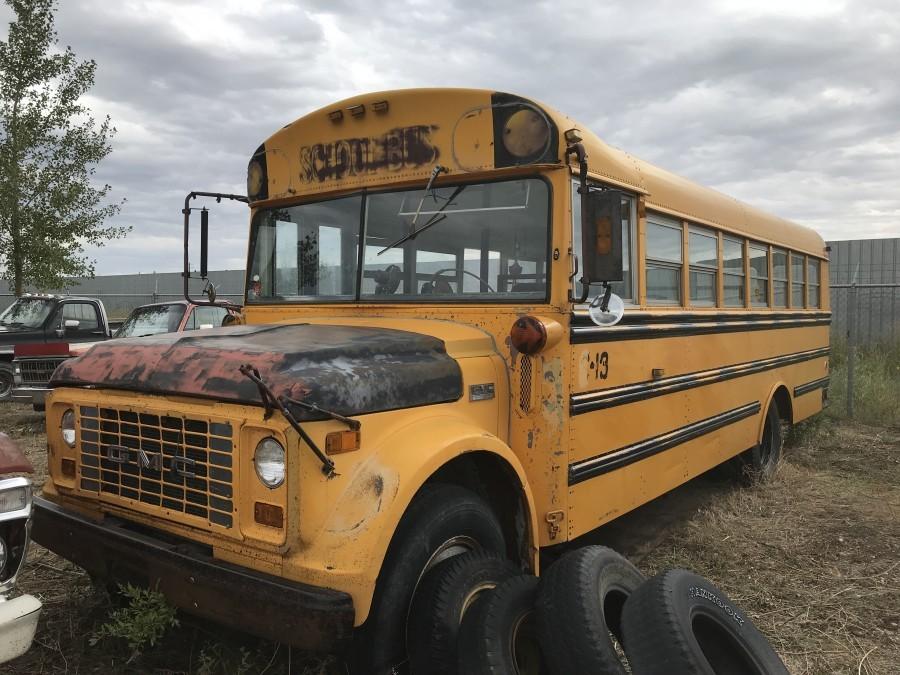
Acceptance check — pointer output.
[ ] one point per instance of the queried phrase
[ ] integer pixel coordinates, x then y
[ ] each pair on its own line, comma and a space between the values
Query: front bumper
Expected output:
18, 621
34, 395
304, 616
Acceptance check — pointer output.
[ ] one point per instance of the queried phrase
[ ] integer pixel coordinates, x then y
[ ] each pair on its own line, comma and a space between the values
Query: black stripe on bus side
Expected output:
641, 318
608, 398
617, 459
821, 383
586, 335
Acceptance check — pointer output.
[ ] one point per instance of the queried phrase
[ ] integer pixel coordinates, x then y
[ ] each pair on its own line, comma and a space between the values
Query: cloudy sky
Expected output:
790, 105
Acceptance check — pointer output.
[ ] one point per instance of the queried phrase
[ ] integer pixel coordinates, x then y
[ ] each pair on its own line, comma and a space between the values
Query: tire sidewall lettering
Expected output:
698, 592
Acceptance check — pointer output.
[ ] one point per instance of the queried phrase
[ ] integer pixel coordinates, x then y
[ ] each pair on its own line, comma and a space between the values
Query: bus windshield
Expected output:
481, 242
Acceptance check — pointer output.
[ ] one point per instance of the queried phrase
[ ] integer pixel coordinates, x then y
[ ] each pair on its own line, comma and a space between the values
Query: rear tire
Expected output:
441, 603
6, 381
758, 464
679, 622
498, 635
442, 521
579, 608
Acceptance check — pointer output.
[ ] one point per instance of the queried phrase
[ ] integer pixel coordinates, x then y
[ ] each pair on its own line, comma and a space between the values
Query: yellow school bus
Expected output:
469, 324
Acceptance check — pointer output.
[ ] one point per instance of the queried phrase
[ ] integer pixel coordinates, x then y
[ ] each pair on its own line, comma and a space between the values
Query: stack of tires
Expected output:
591, 613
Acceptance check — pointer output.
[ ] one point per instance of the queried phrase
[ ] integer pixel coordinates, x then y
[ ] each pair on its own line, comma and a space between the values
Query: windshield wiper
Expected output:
434, 174
282, 403
438, 216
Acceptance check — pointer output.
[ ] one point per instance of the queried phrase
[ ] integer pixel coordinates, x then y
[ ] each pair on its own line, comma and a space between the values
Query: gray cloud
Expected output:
793, 107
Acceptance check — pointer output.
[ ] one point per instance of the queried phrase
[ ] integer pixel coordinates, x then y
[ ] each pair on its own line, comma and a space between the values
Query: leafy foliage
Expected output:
50, 146
142, 623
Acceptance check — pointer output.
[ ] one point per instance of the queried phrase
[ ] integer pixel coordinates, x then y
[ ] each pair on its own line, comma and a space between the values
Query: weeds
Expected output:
876, 386
142, 623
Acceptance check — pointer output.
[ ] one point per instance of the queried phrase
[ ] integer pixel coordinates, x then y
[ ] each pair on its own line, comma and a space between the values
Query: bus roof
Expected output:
428, 123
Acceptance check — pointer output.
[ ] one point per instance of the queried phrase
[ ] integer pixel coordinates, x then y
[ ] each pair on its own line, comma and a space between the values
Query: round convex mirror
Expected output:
613, 314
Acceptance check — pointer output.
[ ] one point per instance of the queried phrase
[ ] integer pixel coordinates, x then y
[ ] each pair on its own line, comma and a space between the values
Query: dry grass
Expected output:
814, 557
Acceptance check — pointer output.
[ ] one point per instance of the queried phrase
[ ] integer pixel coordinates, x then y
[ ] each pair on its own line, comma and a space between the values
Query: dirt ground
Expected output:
813, 556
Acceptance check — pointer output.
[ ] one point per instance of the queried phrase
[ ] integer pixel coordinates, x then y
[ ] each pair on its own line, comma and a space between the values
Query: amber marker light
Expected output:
270, 515
533, 334
337, 442
68, 468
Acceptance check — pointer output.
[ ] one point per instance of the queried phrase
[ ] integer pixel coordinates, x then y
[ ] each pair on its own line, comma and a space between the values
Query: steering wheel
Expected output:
436, 278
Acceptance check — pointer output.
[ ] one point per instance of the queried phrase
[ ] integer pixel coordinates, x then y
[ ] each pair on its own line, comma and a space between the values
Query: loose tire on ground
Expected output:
498, 635
758, 464
6, 381
442, 520
680, 623
440, 604
579, 605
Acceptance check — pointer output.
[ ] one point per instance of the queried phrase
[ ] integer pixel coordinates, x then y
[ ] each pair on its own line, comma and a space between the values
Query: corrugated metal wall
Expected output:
866, 261
123, 292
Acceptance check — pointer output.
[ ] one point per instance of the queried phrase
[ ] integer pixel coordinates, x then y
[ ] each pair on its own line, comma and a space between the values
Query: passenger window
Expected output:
779, 278
812, 279
703, 254
759, 275
733, 269
663, 261
796, 281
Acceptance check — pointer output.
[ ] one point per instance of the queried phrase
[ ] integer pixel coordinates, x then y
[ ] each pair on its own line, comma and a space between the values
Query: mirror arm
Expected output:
218, 196
577, 149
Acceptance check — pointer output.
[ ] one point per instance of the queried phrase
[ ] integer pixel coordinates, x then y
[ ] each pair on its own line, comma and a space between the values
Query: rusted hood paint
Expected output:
12, 459
348, 369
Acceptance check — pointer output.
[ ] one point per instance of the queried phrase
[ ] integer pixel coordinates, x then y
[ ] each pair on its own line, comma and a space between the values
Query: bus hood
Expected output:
351, 370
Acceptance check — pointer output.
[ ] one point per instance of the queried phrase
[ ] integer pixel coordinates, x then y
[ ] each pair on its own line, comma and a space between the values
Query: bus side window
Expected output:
812, 286
664, 258
779, 278
759, 275
796, 281
733, 267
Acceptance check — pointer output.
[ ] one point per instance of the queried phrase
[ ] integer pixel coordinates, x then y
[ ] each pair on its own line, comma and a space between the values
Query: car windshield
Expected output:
483, 242
152, 320
27, 313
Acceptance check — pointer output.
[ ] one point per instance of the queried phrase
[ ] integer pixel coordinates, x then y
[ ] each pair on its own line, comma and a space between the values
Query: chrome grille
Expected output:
181, 464
37, 372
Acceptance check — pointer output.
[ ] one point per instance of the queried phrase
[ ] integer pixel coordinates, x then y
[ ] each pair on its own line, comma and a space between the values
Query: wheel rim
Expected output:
524, 646
725, 654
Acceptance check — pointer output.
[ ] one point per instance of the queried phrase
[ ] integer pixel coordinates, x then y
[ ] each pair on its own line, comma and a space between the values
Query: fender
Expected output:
352, 545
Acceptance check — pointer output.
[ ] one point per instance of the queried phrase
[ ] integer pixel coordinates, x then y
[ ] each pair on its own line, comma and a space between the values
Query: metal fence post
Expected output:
851, 345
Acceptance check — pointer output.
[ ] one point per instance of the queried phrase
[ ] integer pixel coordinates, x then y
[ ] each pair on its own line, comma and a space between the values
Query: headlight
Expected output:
269, 462
13, 499
3, 556
68, 427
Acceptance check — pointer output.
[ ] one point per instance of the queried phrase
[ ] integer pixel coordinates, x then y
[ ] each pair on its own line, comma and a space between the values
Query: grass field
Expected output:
813, 556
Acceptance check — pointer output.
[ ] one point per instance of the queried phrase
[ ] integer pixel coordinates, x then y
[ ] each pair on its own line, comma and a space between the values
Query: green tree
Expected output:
50, 146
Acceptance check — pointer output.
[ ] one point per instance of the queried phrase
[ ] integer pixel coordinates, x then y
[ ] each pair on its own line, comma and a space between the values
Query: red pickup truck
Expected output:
34, 363
18, 613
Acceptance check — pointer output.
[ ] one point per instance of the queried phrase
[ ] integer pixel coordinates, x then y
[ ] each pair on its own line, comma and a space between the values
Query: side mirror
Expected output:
601, 236
204, 242
67, 325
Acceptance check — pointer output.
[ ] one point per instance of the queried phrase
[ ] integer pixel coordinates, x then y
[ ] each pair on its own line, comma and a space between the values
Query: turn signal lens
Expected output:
342, 441
254, 179
268, 514
67, 428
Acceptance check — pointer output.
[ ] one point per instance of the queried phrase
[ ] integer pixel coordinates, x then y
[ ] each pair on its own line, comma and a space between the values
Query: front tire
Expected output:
441, 522
6, 381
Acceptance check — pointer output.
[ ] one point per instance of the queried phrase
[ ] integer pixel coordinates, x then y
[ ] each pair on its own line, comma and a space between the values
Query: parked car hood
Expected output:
347, 369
